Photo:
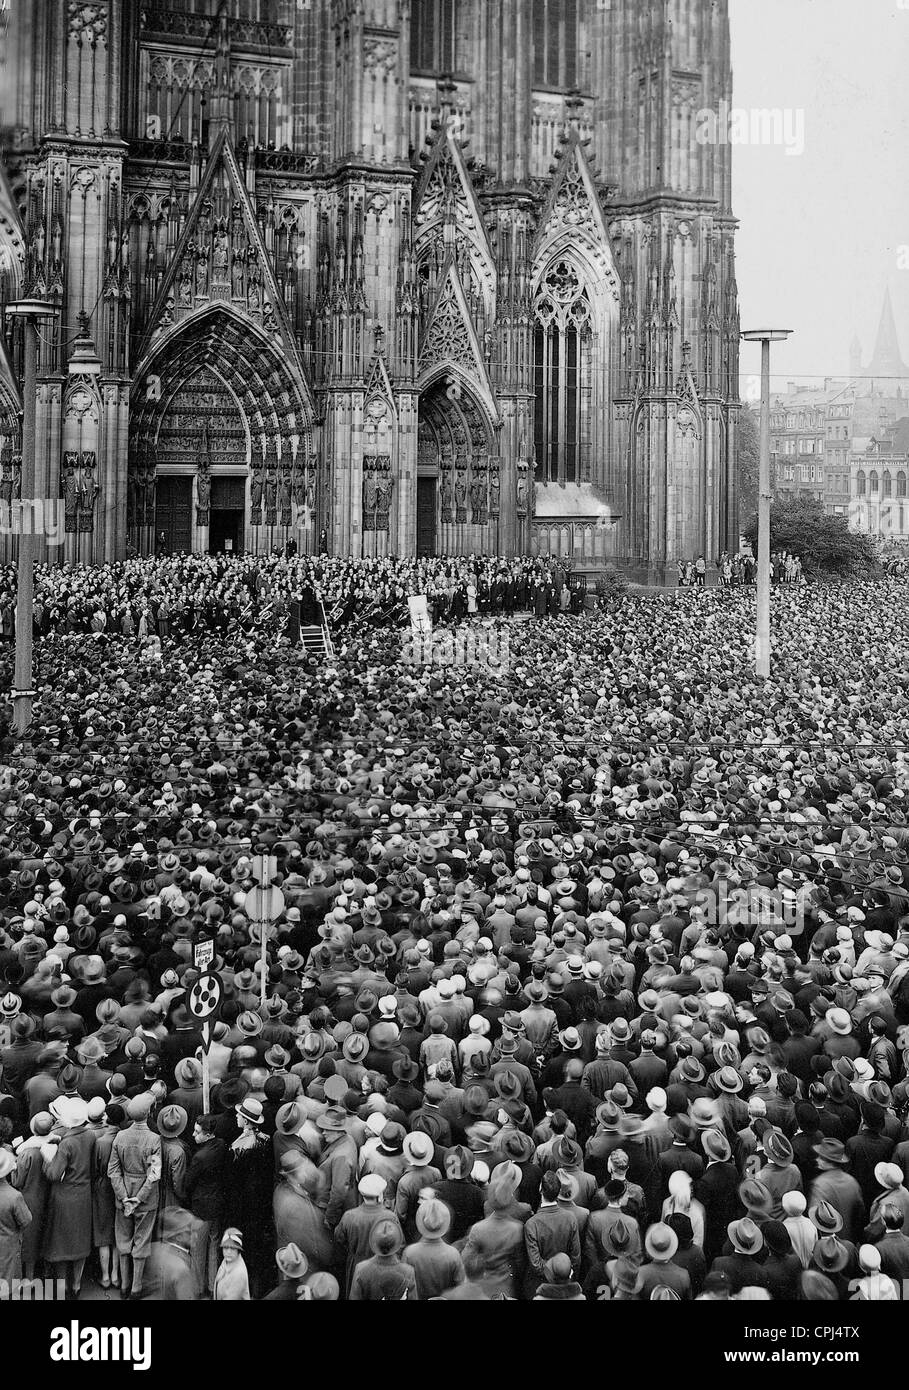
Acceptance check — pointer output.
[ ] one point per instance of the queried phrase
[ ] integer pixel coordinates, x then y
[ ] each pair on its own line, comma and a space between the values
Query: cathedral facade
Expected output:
382, 276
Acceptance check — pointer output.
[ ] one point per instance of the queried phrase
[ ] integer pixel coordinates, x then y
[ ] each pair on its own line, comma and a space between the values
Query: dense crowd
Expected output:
183, 594
591, 982
740, 569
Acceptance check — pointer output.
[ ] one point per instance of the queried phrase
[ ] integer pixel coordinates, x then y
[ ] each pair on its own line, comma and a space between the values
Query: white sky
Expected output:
820, 232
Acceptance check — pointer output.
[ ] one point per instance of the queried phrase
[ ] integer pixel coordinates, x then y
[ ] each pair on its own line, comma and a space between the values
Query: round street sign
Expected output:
264, 904
204, 999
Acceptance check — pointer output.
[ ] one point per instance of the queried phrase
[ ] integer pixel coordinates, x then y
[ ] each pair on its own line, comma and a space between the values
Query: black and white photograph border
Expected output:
454, 781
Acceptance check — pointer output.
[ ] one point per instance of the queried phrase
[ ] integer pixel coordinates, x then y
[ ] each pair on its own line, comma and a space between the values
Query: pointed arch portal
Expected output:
458, 483
220, 442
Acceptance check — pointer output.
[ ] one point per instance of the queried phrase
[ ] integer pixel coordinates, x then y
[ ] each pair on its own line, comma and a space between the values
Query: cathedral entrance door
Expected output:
225, 528
173, 514
225, 532
426, 516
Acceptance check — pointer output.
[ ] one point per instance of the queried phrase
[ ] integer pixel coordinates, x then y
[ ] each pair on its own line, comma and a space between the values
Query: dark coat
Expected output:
205, 1180
718, 1193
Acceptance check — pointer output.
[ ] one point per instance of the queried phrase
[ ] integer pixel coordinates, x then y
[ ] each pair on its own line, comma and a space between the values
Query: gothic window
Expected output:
562, 375
874, 482
901, 484
860, 484
555, 43
432, 35
888, 485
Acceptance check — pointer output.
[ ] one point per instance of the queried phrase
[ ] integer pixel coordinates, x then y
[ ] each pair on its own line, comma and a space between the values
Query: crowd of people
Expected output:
146, 597
733, 571
591, 980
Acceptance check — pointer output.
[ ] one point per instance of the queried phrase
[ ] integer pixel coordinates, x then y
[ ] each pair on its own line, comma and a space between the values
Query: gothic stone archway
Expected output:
220, 443
458, 479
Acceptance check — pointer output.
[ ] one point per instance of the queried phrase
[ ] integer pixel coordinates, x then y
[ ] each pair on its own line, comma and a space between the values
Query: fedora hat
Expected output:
661, 1242
459, 1163
332, 1120
90, 1050
291, 1261
433, 1218
830, 1255
620, 1095
354, 1047
250, 1024
826, 1218
518, 1146
418, 1148
729, 1080
172, 1121
93, 967
250, 1110
777, 1147
703, 1113
755, 1197
831, 1151
745, 1237
716, 1146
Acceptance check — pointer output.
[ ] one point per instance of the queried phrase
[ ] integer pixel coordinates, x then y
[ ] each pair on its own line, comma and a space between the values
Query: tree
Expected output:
748, 464
823, 543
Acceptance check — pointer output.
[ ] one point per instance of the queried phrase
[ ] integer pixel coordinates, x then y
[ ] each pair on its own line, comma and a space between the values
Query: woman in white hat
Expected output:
14, 1219
681, 1200
68, 1168
232, 1278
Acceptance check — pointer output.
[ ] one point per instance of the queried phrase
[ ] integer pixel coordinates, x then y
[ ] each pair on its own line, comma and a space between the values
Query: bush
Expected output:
611, 586
824, 544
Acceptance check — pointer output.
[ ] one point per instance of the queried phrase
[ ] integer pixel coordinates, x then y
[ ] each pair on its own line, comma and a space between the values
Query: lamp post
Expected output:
764, 336
29, 310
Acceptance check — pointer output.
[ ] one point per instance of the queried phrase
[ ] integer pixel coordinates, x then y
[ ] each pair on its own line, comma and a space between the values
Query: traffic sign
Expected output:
264, 904
204, 998
203, 954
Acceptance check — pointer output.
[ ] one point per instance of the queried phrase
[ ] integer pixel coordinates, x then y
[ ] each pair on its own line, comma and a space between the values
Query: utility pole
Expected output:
764, 336
263, 905
29, 310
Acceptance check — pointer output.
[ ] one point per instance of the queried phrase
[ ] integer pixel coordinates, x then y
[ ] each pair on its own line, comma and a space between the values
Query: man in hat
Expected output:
605, 1071
437, 1265
134, 1170
575, 1099
462, 1196
353, 1231
169, 1272
385, 1275
298, 1219
419, 1174
552, 1231
660, 1271
743, 1267
835, 1185
205, 1197
717, 1191
338, 1165
779, 1174
680, 1156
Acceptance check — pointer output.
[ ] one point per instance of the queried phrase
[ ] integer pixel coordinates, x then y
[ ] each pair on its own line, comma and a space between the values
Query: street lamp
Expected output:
764, 336
30, 311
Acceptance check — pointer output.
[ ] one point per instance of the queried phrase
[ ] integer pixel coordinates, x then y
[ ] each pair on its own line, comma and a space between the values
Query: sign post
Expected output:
203, 955
206, 1075
203, 1001
264, 906
764, 336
